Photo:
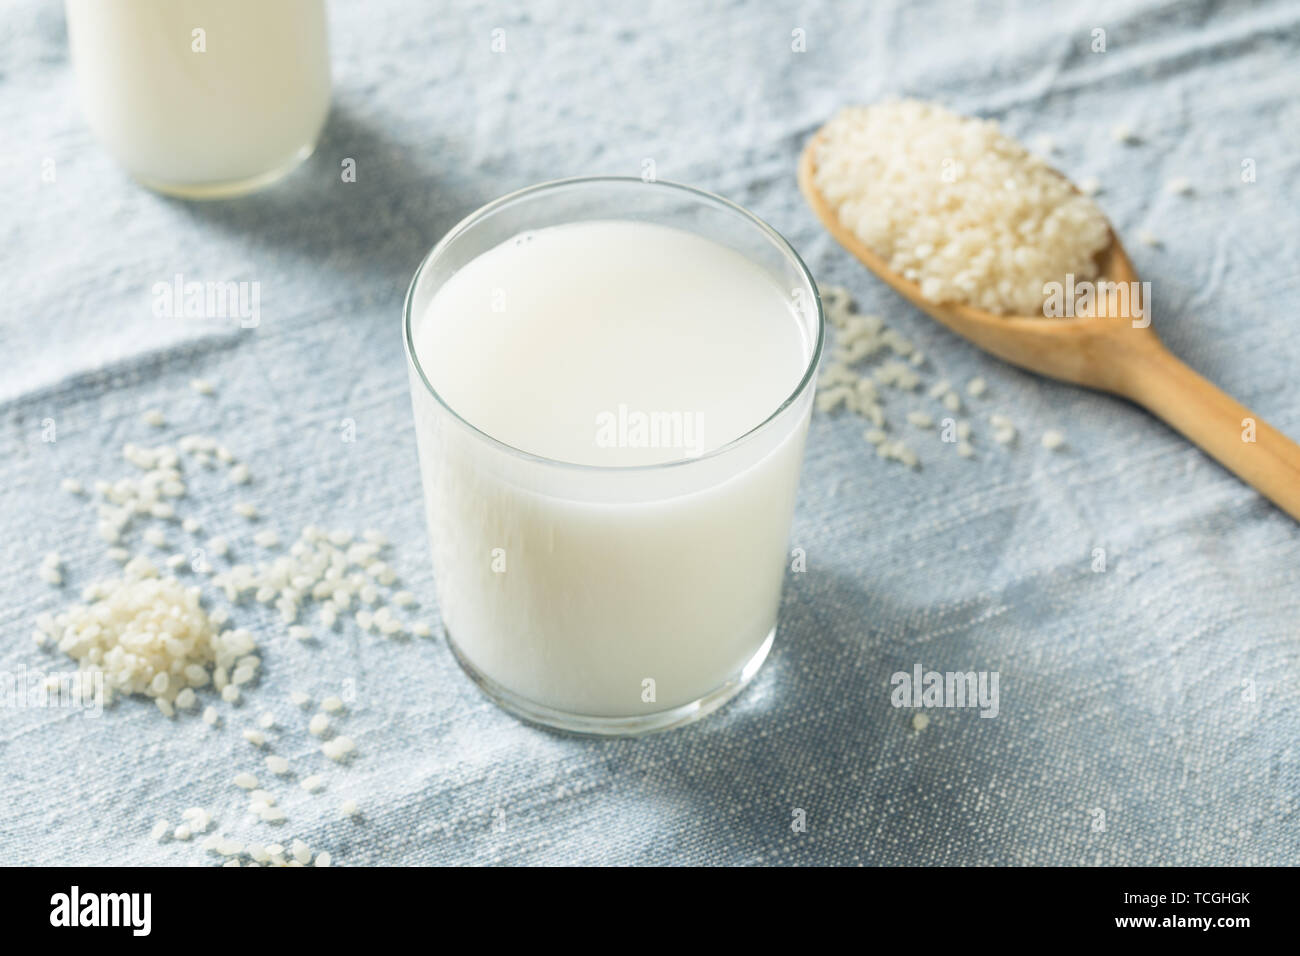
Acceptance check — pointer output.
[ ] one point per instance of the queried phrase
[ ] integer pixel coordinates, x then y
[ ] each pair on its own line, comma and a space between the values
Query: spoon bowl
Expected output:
1114, 350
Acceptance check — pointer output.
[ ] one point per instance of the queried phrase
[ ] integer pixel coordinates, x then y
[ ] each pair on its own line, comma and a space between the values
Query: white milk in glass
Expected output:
202, 97
605, 586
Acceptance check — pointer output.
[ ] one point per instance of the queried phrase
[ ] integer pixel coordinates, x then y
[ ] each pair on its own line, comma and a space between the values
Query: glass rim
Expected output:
698, 195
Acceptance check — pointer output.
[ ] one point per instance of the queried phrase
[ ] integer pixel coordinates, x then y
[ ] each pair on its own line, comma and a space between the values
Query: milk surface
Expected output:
542, 340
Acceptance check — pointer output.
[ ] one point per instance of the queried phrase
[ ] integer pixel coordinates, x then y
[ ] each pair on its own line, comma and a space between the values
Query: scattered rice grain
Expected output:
277, 765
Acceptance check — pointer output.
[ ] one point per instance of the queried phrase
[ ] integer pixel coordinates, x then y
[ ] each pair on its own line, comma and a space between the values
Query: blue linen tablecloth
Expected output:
1148, 713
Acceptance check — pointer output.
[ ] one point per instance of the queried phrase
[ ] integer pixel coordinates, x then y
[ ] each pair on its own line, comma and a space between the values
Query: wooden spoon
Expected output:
1114, 351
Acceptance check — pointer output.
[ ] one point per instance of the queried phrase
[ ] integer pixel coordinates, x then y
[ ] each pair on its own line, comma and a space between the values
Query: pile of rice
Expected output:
950, 203
150, 635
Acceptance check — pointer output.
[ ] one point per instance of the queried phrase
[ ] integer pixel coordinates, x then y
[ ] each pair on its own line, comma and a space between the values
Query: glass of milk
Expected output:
203, 98
611, 381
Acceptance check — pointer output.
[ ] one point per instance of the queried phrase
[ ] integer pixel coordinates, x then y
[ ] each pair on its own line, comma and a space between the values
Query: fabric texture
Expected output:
1149, 712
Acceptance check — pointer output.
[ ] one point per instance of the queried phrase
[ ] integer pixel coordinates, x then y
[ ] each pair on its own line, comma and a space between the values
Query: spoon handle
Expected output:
1238, 439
